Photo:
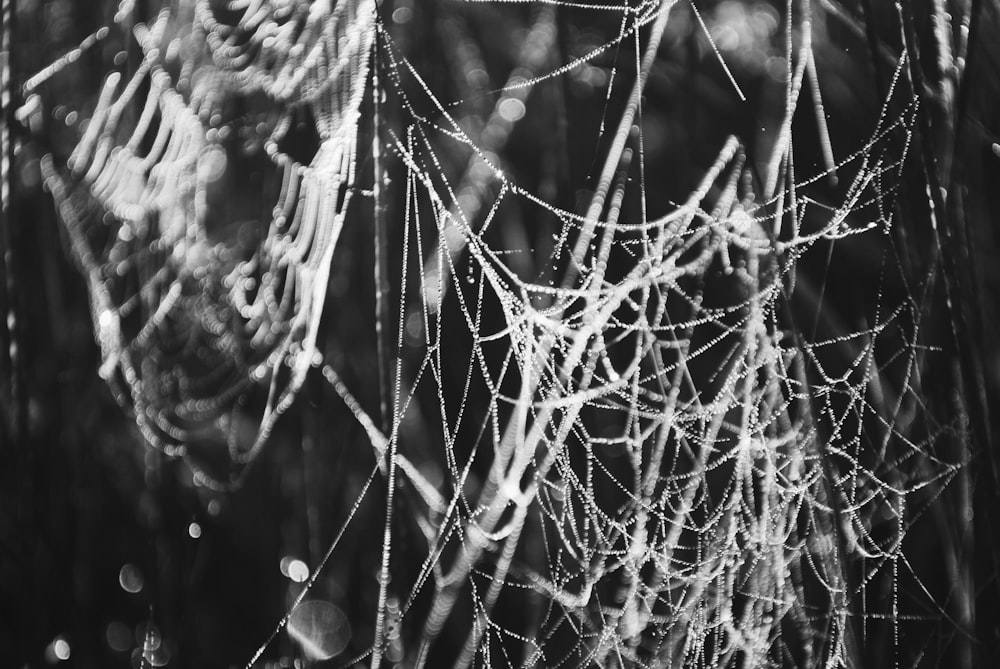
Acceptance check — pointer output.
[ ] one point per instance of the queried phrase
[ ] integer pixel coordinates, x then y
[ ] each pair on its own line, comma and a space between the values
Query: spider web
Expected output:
645, 454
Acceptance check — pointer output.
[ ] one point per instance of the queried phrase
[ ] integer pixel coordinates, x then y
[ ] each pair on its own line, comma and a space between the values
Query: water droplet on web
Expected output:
212, 165
298, 571
141, 659
130, 578
740, 221
402, 15
157, 658
320, 629
414, 329
118, 637
148, 635
194, 530
58, 650
294, 569
511, 110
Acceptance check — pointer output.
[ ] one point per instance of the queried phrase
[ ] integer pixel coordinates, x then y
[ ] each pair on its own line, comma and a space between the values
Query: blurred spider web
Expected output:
645, 448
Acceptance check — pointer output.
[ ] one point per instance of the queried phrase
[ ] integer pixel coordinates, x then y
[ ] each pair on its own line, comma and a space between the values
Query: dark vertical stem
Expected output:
978, 493
10, 101
871, 34
381, 247
312, 432
965, 548
936, 153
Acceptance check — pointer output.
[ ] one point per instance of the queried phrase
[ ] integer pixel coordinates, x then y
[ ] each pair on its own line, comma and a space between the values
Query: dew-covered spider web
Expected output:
608, 425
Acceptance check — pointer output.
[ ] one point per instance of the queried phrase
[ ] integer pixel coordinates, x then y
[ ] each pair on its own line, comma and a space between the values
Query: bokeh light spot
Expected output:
320, 629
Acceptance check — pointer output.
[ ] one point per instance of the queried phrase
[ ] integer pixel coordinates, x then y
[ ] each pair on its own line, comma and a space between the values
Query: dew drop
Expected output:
298, 571
740, 221
194, 530
212, 165
148, 635
414, 329
320, 629
58, 651
118, 637
294, 569
130, 578
157, 658
402, 15
511, 110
